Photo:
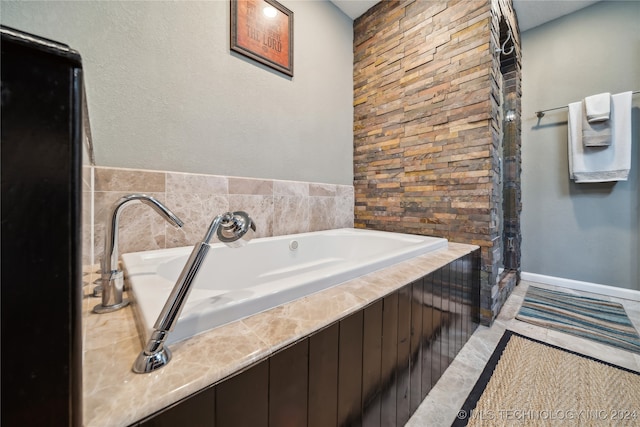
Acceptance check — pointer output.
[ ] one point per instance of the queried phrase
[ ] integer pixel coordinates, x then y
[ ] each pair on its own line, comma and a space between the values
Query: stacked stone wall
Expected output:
426, 103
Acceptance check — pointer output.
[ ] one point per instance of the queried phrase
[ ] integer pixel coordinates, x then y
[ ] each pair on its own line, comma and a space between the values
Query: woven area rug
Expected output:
591, 318
530, 383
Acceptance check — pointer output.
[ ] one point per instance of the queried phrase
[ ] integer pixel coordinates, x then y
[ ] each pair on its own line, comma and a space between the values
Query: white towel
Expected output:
596, 134
601, 164
598, 107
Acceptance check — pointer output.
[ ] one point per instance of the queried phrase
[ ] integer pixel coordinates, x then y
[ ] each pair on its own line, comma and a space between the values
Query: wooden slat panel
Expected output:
468, 299
415, 382
428, 334
459, 287
242, 401
404, 349
288, 385
451, 290
323, 378
371, 365
350, 370
446, 325
475, 290
389, 359
198, 410
436, 346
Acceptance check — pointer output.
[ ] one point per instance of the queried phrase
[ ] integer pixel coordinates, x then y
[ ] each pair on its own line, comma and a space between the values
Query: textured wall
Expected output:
165, 92
422, 112
426, 123
585, 232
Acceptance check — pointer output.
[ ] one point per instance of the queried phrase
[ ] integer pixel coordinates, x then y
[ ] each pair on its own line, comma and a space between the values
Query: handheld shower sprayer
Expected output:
234, 229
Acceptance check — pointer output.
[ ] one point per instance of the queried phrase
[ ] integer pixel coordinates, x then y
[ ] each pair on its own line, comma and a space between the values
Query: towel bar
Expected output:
540, 114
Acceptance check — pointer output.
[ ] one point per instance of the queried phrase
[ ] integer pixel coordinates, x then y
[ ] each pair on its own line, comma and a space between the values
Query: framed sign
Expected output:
263, 31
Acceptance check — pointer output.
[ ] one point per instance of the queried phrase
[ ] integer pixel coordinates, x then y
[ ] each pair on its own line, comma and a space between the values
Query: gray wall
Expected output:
166, 93
586, 232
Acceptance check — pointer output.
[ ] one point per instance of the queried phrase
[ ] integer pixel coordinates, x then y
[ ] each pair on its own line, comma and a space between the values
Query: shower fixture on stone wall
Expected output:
502, 50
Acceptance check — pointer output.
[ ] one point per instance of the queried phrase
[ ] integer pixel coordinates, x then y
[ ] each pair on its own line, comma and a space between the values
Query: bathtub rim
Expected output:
189, 323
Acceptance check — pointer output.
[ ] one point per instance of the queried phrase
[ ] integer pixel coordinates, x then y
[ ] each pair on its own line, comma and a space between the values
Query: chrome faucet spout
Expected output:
231, 228
112, 277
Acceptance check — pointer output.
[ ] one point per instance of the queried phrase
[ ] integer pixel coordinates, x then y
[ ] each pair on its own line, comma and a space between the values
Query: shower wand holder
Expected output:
502, 50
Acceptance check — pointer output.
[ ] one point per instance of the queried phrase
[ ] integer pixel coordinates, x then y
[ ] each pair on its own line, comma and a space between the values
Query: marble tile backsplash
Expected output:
277, 207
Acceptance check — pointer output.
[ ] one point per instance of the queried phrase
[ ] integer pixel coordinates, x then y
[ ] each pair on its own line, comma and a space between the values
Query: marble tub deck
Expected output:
442, 404
114, 396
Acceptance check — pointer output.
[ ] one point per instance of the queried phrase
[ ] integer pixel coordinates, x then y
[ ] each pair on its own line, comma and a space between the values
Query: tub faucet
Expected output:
234, 229
111, 276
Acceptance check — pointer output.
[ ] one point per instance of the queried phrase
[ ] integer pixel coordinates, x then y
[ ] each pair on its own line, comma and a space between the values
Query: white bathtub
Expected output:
234, 283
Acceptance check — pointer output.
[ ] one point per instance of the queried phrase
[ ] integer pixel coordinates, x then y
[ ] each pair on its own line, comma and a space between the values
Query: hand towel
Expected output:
596, 134
598, 107
601, 164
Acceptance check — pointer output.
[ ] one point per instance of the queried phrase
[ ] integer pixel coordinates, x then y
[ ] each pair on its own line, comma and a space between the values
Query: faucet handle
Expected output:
236, 229
112, 288
97, 290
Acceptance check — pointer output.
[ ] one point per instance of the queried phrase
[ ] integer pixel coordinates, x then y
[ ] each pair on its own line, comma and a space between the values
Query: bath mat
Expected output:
530, 383
591, 318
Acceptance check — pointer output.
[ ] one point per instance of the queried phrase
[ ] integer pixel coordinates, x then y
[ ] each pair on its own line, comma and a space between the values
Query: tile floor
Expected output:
441, 406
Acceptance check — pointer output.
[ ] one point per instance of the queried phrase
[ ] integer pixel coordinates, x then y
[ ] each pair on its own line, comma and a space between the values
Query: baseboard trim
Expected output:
595, 288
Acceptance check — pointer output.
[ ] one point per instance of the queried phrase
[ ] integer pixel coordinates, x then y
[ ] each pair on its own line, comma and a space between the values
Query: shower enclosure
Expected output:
509, 205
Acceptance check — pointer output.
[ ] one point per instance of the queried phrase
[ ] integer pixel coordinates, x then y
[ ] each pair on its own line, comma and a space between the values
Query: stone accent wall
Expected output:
426, 129
278, 207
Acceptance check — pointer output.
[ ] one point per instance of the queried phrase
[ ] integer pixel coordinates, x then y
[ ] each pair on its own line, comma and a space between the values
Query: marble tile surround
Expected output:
278, 207
441, 406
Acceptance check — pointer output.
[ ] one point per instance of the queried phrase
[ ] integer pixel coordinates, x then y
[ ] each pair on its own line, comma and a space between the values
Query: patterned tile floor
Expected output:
441, 406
